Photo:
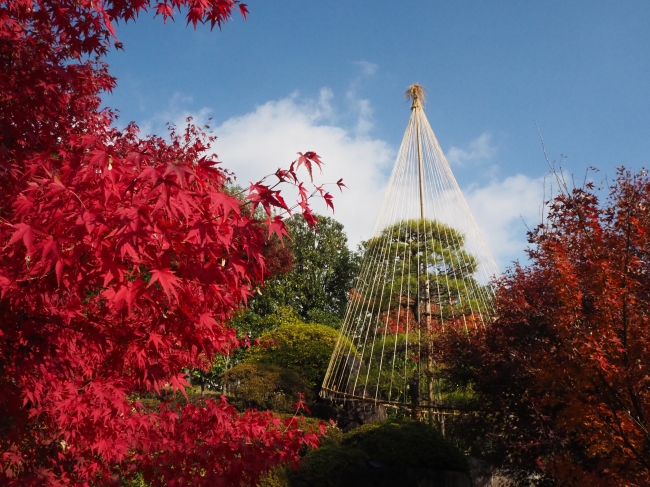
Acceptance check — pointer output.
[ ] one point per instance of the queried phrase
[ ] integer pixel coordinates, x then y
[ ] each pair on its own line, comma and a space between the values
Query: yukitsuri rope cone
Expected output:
425, 268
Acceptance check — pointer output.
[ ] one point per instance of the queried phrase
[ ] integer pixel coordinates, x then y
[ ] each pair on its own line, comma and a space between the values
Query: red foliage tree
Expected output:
563, 375
123, 259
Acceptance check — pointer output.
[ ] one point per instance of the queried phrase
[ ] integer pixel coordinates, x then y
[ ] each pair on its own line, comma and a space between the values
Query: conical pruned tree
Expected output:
426, 267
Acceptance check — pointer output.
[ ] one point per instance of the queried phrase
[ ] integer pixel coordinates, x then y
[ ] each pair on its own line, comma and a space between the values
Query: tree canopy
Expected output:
561, 378
322, 273
416, 279
423, 260
123, 260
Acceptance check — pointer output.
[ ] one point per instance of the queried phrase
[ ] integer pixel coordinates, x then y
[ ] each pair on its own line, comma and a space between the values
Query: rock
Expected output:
357, 413
351, 415
485, 475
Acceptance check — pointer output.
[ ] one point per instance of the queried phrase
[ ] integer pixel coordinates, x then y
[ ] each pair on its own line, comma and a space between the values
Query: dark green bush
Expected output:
281, 476
392, 452
265, 386
406, 443
328, 466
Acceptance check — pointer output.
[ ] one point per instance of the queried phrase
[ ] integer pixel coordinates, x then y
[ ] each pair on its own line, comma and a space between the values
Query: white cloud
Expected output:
480, 149
361, 106
175, 112
257, 143
503, 210
367, 68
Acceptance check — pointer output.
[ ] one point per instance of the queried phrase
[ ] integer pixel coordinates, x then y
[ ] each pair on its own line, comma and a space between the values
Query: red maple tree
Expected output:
123, 259
562, 377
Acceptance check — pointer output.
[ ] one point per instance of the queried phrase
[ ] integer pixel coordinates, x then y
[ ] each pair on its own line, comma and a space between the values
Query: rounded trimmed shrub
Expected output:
388, 453
305, 348
406, 443
328, 466
265, 386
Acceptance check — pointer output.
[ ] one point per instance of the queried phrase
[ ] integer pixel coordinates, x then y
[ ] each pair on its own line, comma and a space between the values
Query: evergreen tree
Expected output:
323, 272
421, 264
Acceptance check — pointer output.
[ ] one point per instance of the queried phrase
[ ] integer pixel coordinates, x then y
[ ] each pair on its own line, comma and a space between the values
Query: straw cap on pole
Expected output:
415, 93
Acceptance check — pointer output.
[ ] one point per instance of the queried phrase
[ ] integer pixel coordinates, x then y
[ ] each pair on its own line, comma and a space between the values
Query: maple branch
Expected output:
625, 288
565, 189
644, 461
314, 193
614, 412
560, 180
633, 396
77, 196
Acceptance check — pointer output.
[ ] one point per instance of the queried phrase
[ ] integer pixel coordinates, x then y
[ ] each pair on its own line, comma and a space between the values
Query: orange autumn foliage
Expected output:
562, 377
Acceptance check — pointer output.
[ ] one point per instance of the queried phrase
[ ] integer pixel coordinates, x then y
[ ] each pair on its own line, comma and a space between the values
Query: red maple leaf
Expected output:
166, 10
307, 159
276, 226
167, 280
25, 233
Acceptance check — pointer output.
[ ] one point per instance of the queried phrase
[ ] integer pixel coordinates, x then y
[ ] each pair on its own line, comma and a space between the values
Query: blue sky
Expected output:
329, 77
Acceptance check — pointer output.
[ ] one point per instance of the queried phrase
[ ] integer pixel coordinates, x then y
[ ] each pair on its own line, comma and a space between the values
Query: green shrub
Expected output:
281, 476
305, 348
406, 443
333, 437
392, 452
136, 481
265, 386
328, 466
276, 477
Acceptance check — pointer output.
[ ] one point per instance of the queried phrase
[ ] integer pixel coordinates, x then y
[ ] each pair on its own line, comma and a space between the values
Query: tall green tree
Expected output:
324, 269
